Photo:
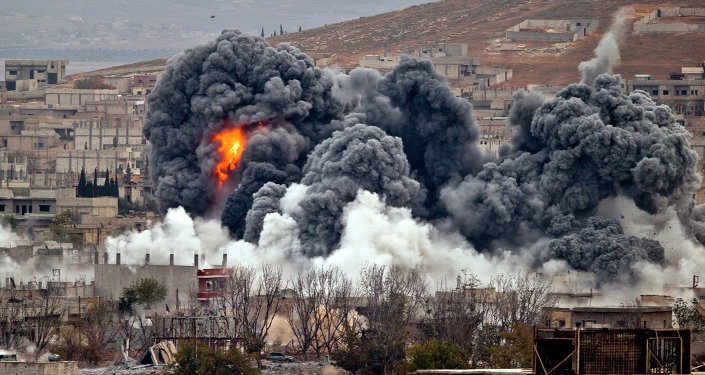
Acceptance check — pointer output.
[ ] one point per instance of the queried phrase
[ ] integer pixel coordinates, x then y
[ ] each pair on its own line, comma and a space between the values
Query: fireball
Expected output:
232, 144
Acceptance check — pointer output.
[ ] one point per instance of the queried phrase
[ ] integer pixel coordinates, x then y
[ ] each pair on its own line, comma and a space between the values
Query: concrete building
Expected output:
43, 72
654, 317
684, 92
180, 281
25, 203
566, 30
672, 20
99, 206
449, 59
77, 97
114, 159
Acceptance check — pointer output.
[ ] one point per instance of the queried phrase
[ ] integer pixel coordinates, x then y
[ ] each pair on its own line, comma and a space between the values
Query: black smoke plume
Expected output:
407, 138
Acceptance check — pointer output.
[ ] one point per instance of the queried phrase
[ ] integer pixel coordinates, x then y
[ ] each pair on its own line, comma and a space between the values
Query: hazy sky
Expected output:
247, 15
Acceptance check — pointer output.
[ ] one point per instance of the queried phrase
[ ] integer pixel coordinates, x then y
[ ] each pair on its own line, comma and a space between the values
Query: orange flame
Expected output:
232, 144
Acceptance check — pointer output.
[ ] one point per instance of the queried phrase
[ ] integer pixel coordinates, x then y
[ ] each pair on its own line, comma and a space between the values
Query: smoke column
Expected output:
607, 52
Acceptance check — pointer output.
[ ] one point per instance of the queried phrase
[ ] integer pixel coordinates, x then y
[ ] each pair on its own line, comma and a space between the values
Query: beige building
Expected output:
43, 72
653, 317
77, 97
449, 59
100, 206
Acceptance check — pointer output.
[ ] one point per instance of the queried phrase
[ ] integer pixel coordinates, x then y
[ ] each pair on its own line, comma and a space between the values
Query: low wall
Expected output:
546, 37
649, 23
38, 368
668, 28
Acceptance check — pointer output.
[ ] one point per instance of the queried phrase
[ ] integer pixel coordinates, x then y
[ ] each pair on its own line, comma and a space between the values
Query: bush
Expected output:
434, 355
145, 290
195, 358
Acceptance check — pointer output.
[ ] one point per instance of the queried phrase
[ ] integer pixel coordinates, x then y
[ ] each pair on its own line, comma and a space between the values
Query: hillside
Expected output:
480, 23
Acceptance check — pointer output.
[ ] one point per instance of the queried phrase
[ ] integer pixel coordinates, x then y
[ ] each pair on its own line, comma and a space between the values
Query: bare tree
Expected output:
394, 295
303, 308
335, 311
43, 318
254, 298
98, 329
519, 299
11, 319
456, 314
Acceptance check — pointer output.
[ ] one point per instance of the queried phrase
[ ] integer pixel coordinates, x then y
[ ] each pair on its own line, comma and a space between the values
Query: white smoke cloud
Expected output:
8, 238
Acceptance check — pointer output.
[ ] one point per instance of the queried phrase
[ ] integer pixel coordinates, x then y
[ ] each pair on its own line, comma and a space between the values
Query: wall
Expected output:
69, 97
39, 368
102, 206
110, 279
649, 23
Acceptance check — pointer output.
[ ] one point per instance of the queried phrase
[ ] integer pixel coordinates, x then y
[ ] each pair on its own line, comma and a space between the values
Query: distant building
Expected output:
566, 30
77, 97
684, 93
26, 75
609, 317
672, 20
449, 59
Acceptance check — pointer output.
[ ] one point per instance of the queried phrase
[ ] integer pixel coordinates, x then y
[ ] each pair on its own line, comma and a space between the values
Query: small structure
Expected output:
159, 354
611, 351
672, 20
568, 30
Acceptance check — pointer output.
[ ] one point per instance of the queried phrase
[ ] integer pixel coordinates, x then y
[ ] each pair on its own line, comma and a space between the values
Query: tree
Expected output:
145, 290
299, 28
105, 189
434, 355
43, 317
393, 296
281, 29
515, 348
687, 315
335, 310
81, 189
95, 183
456, 315
519, 298
60, 225
304, 306
9, 221
195, 358
262, 32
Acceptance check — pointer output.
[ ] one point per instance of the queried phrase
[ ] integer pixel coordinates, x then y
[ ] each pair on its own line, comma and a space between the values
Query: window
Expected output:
17, 208
4, 143
561, 323
654, 92
30, 208
2, 208
44, 208
665, 92
13, 72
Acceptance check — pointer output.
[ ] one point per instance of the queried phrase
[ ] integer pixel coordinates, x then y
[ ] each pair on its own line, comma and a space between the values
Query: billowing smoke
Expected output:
345, 169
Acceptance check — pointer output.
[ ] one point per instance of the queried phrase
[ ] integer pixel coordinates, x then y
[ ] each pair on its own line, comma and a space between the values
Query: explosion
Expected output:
232, 144
332, 139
